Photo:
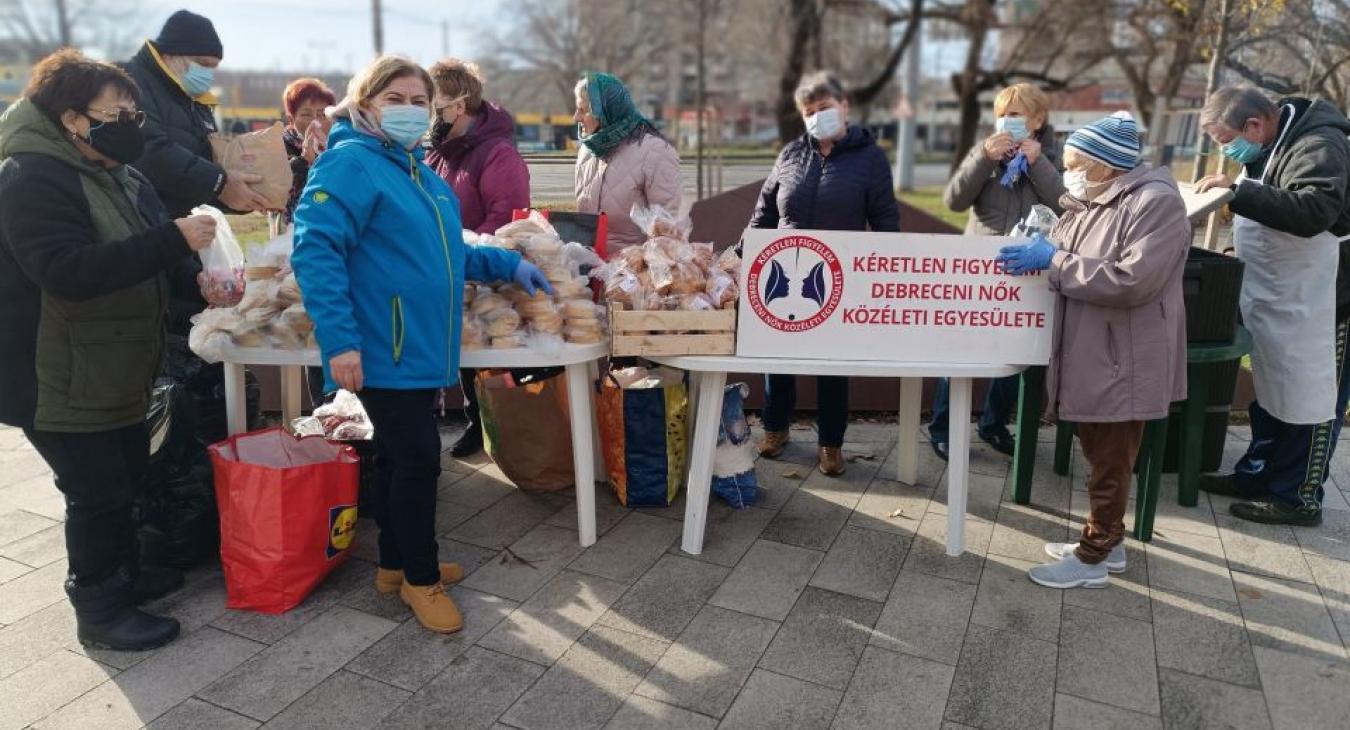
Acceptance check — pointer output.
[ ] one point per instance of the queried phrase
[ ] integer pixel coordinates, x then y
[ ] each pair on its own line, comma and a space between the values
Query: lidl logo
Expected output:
341, 529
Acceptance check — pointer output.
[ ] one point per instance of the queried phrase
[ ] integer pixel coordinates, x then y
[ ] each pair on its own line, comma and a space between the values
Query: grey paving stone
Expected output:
1072, 713
891, 506
640, 713
1129, 680
862, 563
37, 495
40, 688
807, 520
450, 515
1127, 595
480, 490
508, 519
627, 551
728, 535
1004, 680
35, 637
674, 510
768, 580
197, 715
777, 482
410, 656
267, 683
354, 575
343, 700
1007, 599
469, 557
1023, 530
547, 624
663, 602
10, 569
888, 688
589, 683
984, 494
928, 553
1284, 614
1190, 703
608, 513
926, 616
477, 687
154, 686
1190, 564
1303, 691
33, 591
38, 549
199, 602
546, 548
1262, 549
703, 671
1333, 579
771, 701
844, 490
822, 638
1332, 538
1171, 517
1202, 636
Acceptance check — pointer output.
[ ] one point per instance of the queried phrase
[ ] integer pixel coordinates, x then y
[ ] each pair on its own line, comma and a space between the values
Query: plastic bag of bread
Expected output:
689, 279
222, 278
577, 259
288, 290
257, 295
583, 335
729, 261
485, 304
508, 342
211, 334
703, 255
632, 259
501, 322
472, 335
578, 309
538, 304
660, 266
550, 323
697, 303
544, 341
574, 288
722, 288
623, 287
657, 221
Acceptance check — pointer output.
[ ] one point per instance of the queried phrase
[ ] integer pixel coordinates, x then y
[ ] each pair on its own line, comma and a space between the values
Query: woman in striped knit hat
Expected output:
1115, 258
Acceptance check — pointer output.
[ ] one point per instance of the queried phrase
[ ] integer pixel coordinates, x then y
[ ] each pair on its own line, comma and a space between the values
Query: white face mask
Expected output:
1076, 183
825, 124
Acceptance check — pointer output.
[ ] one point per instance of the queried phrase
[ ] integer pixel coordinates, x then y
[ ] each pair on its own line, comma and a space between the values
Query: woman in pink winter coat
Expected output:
1116, 260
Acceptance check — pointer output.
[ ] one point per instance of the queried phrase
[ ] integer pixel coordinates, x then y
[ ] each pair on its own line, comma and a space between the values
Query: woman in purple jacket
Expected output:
473, 148
833, 178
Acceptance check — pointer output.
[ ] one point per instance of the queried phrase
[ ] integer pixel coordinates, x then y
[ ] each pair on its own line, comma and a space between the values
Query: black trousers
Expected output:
466, 378
99, 474
408, 463
831, 406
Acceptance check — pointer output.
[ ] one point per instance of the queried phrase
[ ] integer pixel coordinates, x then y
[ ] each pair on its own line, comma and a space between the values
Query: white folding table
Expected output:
710, 378
579, 361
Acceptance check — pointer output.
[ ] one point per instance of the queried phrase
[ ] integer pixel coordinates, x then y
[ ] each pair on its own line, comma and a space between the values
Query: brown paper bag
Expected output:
527, 430
259, 153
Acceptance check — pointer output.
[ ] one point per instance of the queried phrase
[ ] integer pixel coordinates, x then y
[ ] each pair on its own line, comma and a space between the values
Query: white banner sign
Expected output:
904, 297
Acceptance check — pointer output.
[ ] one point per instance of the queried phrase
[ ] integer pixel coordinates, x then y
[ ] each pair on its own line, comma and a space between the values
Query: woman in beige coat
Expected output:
623, 161
1116, 260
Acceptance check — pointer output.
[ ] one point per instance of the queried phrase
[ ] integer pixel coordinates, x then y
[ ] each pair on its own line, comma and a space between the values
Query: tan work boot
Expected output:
435, 610
831, 461
388, 581
773, 443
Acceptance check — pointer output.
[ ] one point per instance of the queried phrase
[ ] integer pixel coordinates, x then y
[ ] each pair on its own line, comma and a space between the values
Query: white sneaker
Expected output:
1115, 562
1070, 572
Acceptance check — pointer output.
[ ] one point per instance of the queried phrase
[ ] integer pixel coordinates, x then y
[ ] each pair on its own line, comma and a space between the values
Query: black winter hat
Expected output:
188, 34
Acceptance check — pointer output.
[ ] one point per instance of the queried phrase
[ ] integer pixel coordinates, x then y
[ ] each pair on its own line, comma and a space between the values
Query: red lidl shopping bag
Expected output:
287, 515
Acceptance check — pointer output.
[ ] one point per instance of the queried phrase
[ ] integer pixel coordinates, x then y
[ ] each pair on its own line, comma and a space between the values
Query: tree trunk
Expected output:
805, 31
966, 84
1216, 63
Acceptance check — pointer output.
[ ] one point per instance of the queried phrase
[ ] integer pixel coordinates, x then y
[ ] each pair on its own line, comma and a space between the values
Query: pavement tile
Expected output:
480, 490
929, 473
270, 628
1129, 680
1023, 530
846, 489
40, 688
469, 557
889, 686
154, 686
36, 636
1127, 595
1202, 636
627, 551
21, 466
589, 683
663, 602
197, 715
1332, 538
984, 497
1072, 713
862, 563
891, 506
10, 569
1288, 615
267, 683
39, 548
768, 580
926, 616
1333, 579
777, 482
728, 535
640, 713
704, 669
1191, 702
807, 520
675, 510
544, 627
199, 602
822, 638
33, 591
450, 515
1190, 564
1262, 549
928, 553
508, 519
37, 495
343, 700
1007, 599
771, 701
410, 656
545, 548
1004, 680
1304, 691
608, 513
477, 687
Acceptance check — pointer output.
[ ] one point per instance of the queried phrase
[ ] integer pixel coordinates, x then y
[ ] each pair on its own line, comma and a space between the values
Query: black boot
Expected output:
155, 581
470, 443
106, 617
1227, 485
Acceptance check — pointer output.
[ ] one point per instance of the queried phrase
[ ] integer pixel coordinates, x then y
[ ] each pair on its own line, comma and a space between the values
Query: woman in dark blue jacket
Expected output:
833, 178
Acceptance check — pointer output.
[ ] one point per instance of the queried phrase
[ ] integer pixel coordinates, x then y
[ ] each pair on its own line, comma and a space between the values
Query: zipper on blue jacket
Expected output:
449, 266
397, 327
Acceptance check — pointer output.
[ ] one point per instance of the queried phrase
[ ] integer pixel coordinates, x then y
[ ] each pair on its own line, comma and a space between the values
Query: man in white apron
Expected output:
1289, 211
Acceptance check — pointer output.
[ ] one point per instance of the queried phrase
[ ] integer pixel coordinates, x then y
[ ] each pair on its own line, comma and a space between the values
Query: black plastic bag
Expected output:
177, 503
206, 384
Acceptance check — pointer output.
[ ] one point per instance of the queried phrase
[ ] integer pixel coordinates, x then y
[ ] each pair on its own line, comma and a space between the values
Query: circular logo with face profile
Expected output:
795, 284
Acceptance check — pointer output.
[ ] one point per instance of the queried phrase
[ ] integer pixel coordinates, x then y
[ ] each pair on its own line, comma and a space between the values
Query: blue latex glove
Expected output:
530, 278
1017, 167
1027, 258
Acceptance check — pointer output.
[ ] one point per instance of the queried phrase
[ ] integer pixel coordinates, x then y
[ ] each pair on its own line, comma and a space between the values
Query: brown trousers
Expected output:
1110, 449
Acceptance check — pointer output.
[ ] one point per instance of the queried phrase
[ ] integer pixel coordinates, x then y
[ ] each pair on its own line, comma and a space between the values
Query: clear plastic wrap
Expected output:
1040, 219
657, 221
721, 288
212, 333
222, 277
485, 304
344, 419
501, 323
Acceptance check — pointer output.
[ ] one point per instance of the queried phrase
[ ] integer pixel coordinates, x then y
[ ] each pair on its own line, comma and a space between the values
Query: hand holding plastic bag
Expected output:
222, 277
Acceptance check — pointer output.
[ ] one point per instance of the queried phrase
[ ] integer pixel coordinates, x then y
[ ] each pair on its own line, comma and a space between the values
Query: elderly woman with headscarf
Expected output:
623, 161
1115, 259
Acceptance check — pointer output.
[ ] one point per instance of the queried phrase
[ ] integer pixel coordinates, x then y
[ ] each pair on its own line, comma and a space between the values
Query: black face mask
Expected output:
439, 131
122, 142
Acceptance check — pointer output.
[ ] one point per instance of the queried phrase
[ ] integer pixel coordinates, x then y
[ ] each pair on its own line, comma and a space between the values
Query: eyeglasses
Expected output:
118, 116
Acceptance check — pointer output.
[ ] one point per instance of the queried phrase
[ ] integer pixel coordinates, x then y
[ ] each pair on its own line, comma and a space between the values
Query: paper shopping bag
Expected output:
526, 430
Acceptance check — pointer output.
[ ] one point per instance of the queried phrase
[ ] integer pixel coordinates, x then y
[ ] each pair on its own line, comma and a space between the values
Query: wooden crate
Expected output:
672, 333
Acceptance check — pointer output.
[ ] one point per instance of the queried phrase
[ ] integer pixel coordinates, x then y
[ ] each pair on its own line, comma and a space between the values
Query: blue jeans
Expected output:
999, 403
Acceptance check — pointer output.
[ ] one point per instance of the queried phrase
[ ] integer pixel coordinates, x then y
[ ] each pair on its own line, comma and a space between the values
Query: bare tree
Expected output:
1294, 47
35, 28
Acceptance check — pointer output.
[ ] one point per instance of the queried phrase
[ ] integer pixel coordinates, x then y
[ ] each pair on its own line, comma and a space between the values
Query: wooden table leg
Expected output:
579, 404
958, 466
1191, 439
706, 422
291, 389
236, 402
907, 453
1030, 392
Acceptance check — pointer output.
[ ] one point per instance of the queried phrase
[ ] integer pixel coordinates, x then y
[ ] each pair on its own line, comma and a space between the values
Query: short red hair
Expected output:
302, 90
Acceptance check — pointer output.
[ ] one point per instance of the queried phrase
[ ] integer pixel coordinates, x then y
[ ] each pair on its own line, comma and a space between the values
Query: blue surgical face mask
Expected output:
198, 79
1242, 150
404, 124
1016, 127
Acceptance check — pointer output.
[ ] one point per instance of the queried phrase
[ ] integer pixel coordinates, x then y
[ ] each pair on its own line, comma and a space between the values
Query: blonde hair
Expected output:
455, 79
382, 72
1034, 102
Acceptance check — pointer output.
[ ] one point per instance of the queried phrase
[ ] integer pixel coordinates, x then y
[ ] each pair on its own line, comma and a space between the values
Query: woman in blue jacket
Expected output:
381, 260
833, 178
